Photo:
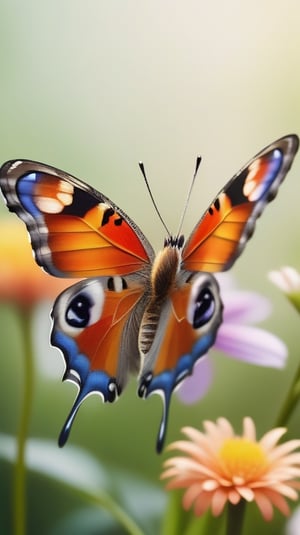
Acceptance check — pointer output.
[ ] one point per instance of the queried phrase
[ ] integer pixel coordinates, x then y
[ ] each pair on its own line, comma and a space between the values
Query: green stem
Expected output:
19, 502
178, 521
175, 519
235, 518
19, 505
290, 401
104, 501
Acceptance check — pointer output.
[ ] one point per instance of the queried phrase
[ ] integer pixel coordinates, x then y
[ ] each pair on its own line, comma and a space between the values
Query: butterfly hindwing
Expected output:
75, 231
95, 326
220, 236
187, 328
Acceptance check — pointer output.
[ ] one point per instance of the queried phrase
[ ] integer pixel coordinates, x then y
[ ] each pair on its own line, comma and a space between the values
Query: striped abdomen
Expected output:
163, 277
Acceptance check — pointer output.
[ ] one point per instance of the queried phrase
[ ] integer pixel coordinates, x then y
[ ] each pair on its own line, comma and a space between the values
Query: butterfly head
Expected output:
174, 241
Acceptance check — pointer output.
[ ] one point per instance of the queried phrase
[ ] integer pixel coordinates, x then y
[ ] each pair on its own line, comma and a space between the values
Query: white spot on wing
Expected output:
118, 284
66, 187
65, 198
251, 189
48, 205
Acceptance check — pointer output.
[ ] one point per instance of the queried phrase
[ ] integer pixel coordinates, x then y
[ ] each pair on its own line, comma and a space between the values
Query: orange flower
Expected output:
21, 280
220, 466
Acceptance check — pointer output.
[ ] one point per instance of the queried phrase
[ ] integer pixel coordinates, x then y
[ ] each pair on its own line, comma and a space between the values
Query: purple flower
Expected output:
238, 338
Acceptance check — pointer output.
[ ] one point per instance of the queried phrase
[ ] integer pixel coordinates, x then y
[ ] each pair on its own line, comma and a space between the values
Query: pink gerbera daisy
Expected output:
218, 466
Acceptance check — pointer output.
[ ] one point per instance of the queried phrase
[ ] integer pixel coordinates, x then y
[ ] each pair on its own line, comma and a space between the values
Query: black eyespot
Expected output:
204, 308
110, 284
78, 313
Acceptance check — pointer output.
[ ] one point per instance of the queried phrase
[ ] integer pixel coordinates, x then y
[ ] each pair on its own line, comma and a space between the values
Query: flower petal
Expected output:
246, 493
271, 438
249, 429
195, 386
252, 345
225, 427
202, 503
191, 495
286, 279
245, 307
218, 501
283, 449
264, 504
233, 496
278, 500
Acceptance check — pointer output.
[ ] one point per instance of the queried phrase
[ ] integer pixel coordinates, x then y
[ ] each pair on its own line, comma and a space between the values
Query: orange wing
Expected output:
186, 330
221, 235
75, 231
95, 325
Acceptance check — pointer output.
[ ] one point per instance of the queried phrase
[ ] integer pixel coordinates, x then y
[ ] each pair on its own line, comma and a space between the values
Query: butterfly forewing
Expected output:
220, 236
75, 231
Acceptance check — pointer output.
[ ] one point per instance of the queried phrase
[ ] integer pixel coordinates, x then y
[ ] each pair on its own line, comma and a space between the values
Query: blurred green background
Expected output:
92, 88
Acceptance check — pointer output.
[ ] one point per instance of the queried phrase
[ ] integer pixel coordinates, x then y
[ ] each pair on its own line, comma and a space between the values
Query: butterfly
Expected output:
135, 312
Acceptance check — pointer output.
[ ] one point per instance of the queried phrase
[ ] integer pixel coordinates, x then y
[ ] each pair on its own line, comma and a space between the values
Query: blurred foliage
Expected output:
92, 88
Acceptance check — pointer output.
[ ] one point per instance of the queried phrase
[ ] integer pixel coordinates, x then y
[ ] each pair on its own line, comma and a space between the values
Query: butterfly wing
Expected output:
95, 325
75, 231
220, 236
191, 316
186, 330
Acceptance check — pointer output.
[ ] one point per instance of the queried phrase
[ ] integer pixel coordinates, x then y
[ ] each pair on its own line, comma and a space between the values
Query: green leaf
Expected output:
74, 468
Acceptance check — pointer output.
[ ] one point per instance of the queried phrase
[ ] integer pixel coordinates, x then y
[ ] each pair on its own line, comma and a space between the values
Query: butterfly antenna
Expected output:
142, 168
198, 161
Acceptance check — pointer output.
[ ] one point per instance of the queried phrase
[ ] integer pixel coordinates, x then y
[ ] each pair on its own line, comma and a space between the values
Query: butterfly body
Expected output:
135, 312
162, 282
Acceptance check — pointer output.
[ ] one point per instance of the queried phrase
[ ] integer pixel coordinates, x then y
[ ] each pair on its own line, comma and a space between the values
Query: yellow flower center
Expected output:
242, 460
